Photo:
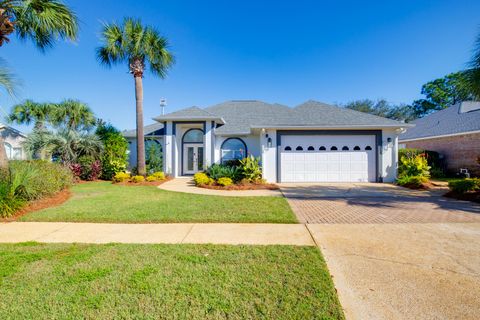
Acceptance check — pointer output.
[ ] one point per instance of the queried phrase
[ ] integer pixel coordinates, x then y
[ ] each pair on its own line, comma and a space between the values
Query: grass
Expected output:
106, 202
79, 281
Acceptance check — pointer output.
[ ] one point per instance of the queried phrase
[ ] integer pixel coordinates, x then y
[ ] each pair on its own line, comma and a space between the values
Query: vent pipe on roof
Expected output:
467, 106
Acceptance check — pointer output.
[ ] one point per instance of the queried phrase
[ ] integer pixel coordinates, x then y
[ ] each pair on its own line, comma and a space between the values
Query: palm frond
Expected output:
7, 79
44, 22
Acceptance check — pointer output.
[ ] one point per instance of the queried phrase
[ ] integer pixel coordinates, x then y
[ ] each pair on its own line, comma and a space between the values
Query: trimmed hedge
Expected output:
465, 185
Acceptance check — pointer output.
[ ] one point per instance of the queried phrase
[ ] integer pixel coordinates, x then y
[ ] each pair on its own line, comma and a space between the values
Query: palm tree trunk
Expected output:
3, 154
140, 136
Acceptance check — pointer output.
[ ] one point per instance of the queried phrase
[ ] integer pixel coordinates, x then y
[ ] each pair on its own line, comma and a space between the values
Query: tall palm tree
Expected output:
43, 22
74, 115
137, 45
30, 111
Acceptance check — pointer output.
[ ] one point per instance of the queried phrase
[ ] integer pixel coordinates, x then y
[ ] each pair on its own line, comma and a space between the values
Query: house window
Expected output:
288, 148
299, 148
356, 148
322, 148
345, 148
334, 148
368, 148
233, 149
8, 149
311, 148
193, 136
17, 154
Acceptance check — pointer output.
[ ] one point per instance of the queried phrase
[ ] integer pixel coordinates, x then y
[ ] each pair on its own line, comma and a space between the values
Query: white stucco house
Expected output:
13, 140
312, 142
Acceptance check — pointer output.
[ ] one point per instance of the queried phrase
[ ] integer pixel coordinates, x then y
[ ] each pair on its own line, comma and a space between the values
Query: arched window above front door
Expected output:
193, 136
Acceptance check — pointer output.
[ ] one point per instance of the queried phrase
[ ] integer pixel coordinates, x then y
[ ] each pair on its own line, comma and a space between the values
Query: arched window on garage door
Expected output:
357, 148
311, 148
299, 148
368, 148
345, 148
288, 148
334, 148
322, 148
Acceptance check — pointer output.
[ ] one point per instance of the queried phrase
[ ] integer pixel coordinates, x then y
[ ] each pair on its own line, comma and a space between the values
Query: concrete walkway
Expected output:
186, 185
215, 233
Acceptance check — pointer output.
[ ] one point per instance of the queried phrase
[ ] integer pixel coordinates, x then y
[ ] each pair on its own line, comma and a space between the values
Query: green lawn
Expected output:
79, 281
106, 202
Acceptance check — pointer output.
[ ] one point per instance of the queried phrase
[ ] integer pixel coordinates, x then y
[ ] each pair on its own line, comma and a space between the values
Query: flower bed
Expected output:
245, 174
155, 179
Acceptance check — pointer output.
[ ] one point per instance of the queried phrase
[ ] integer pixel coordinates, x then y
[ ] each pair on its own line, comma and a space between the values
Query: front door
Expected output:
192, 158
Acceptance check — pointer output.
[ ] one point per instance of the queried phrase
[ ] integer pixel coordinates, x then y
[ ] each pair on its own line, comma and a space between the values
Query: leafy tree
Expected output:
43, 22
136, 45
444, 92
382, 108
473, 73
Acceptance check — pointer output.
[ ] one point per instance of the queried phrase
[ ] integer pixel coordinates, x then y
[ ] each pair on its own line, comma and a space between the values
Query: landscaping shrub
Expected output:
30, 180
121, 177
154, 159
137, 179
414, 182
151, 179
158, 175
225, 181
201, 179
433, 159
414, 165
465, 185
251, 169
90, 168
217, 171
114, 156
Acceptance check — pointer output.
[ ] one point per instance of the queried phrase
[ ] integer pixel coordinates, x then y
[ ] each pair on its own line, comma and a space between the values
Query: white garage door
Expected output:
324, 158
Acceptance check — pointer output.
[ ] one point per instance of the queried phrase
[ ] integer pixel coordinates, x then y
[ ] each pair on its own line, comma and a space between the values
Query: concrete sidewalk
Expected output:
215, 233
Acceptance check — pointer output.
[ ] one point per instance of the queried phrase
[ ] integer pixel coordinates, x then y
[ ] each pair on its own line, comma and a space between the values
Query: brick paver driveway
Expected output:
374, 203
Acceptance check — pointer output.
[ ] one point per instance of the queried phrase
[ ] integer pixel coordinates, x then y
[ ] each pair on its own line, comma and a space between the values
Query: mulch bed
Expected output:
251, 186
469, 196
423, 186
35, 205
144, 183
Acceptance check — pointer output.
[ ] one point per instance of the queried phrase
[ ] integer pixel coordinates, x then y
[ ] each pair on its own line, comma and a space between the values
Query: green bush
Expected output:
121, 177
412, 181
251, 169
154, 158
465, 185
225, 181
114, 156
217, 171
433, 159
414, 165
30, 180
201, 179
137, 179
41, 178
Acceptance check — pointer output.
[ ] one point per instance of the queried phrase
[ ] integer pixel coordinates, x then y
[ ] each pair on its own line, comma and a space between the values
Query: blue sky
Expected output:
276, 51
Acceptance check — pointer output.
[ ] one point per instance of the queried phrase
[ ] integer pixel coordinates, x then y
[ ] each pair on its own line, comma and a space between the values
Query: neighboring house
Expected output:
313, 142
153, 134
453, 132
13, 142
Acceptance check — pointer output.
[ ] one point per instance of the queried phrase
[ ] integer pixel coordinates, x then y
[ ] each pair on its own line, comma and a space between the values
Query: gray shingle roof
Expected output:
149, 129
242, 115
188, 113
448, 121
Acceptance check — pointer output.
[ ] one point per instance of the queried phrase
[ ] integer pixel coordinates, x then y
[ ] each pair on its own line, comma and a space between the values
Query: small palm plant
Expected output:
138, 46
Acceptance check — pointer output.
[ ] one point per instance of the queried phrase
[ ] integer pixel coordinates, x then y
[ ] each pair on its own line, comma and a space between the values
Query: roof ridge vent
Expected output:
468, 106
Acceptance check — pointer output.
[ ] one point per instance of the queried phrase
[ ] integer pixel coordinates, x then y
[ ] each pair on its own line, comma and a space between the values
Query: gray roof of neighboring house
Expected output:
459, 118
147, 130
240, 116
5, 126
